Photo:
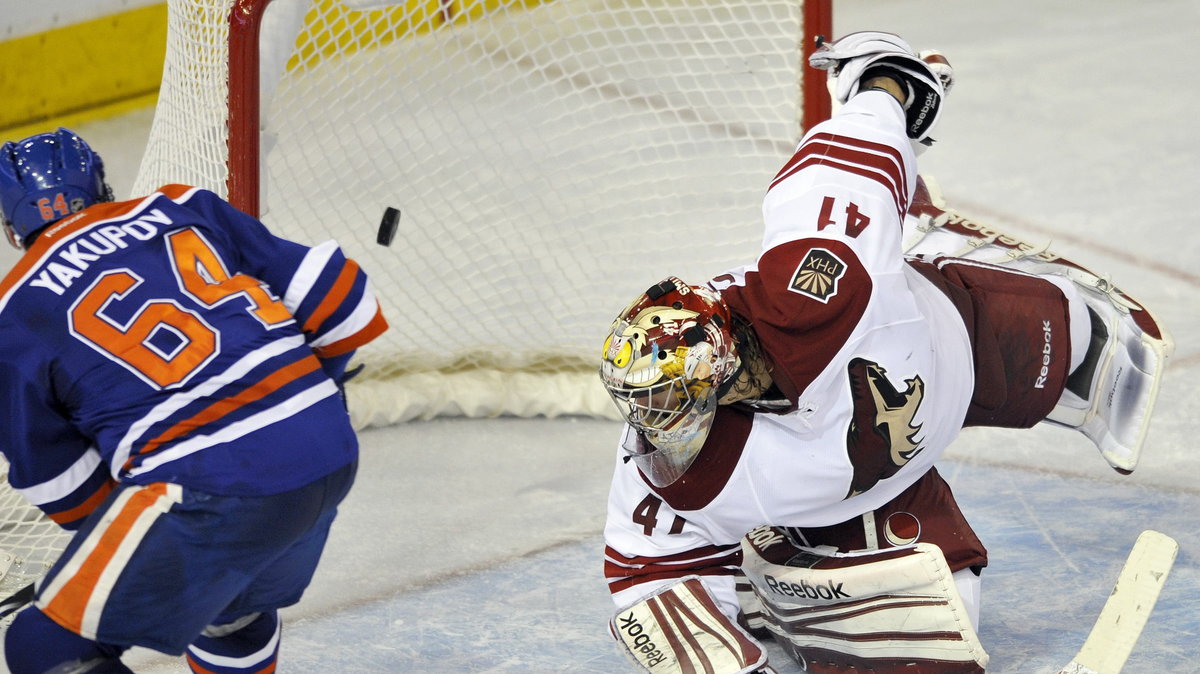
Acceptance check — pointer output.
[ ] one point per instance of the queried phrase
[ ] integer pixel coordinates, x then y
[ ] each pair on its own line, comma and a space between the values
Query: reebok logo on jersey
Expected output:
817, 276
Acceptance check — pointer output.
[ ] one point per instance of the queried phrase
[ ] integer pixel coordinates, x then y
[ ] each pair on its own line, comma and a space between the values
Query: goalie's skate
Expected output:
1110, 396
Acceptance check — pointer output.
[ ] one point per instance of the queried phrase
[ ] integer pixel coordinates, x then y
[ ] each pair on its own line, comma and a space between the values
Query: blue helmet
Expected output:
45, 178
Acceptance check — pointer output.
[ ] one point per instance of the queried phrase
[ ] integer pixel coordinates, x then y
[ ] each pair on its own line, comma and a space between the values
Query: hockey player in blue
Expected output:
170, 378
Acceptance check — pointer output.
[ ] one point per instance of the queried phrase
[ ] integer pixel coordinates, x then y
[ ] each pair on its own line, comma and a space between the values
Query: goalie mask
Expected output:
664, 363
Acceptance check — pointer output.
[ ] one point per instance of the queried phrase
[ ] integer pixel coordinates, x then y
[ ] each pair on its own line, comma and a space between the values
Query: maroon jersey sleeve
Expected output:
803, 301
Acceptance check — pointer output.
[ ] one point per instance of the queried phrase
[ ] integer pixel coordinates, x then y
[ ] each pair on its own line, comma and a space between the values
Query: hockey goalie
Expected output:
777, 471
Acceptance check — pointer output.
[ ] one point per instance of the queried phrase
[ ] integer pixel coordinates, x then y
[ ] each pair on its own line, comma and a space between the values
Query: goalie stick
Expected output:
1124, 615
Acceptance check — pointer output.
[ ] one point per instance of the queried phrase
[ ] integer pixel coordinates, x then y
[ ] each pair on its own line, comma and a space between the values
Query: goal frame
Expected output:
245, 24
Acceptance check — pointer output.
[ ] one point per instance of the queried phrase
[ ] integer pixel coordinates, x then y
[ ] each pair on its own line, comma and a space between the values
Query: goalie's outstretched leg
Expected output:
1118, 348
1109, 397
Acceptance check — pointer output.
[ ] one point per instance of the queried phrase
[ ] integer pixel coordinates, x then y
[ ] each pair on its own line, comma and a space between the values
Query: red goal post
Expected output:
551, 159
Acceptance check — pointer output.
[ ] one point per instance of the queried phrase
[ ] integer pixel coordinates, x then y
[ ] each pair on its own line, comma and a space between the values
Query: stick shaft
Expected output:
1128, 608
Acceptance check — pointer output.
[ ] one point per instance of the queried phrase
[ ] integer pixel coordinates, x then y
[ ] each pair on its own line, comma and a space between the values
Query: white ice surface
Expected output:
474, 545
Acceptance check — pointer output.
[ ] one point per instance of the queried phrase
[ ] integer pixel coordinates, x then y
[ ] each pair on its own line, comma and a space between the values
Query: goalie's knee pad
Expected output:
243, 646
893, 610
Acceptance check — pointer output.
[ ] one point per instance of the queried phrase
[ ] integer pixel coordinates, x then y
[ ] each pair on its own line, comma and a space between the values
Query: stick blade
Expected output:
1128, 607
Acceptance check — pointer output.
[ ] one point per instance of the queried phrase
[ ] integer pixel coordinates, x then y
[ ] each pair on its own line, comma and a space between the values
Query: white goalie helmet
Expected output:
664, 362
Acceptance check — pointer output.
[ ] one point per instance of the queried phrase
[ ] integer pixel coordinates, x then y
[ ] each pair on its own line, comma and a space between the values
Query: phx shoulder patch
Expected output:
818, 275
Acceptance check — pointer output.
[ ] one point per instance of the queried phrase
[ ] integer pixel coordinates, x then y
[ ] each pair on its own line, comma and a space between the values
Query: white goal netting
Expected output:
551, 158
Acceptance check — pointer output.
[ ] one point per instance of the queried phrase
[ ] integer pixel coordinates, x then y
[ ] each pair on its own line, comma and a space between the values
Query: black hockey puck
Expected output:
388, 226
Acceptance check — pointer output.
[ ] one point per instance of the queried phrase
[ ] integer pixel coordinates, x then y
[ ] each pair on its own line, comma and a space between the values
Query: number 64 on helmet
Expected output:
45, 178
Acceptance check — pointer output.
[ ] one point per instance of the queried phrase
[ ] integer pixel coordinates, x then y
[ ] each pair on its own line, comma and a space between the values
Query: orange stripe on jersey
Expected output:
257, 391
334, 298
375, 328
69, 604
174, 191
84, 509
195, 666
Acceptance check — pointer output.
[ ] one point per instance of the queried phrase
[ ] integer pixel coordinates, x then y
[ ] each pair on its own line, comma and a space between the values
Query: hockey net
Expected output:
551, 158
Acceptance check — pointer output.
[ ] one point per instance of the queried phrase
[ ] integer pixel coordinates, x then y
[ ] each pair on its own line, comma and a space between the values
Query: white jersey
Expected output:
872, 362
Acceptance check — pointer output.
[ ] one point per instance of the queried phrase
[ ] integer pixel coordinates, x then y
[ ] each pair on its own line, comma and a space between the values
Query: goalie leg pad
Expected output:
680, 629
1109, 397
1020, 337
895, 610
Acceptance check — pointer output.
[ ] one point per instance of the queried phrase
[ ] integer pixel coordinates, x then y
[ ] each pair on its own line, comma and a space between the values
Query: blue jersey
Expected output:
174, 339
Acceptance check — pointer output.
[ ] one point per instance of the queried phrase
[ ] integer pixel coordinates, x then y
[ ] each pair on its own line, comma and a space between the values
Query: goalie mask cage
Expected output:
551, 158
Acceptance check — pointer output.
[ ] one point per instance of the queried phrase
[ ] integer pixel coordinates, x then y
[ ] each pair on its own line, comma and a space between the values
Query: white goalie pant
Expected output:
878, 610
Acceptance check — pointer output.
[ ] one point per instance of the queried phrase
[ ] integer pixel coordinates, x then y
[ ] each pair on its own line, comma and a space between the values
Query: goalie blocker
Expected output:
893, 610
680, 630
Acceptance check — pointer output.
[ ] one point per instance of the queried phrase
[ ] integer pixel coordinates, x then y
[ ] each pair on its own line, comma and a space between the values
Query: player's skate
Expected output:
1110, 396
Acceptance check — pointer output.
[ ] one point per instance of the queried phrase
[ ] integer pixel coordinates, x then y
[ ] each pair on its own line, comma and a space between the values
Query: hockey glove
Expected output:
855, 58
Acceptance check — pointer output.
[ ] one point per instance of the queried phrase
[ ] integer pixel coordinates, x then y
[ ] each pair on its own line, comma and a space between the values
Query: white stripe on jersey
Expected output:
246, 662
65, 482
254, 422
314, 262
867, 159
129, 545
205, 389
672, 560
361, 317
130, 541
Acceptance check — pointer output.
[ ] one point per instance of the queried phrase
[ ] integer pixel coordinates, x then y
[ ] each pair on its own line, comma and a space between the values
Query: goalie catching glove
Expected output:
857, 57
